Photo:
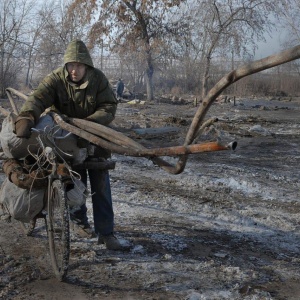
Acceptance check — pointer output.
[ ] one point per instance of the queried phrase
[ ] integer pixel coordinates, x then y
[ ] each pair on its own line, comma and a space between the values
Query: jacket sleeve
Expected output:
106, 104
42, 98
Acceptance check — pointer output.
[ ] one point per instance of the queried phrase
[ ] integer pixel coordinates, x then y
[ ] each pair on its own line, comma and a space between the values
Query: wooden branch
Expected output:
227, 80
4, 111
233, 76
117, 142
12, 102
17, 93
110, 139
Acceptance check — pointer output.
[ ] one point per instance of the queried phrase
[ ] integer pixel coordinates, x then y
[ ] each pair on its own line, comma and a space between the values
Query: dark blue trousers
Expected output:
102, 201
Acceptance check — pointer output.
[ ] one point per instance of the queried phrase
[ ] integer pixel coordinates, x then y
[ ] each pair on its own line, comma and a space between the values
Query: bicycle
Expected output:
59, 181
56, 209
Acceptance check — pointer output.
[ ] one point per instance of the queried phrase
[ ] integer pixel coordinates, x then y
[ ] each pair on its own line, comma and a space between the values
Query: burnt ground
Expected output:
227, 227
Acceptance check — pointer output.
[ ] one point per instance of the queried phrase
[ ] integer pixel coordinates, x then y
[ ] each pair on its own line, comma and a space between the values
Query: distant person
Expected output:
120, 88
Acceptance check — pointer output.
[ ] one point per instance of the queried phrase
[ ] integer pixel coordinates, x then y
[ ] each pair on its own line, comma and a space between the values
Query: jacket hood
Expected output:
78, 52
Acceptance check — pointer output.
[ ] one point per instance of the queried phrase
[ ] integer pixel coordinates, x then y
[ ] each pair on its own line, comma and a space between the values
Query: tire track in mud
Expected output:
25, 267
24, 258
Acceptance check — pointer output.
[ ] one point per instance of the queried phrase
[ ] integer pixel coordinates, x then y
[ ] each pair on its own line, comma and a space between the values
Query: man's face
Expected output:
76, 71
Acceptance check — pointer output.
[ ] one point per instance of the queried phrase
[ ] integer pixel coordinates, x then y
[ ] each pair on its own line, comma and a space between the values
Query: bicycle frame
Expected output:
60, 178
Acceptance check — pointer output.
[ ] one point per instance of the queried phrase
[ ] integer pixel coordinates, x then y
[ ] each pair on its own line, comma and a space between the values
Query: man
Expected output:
120, 88
79, 90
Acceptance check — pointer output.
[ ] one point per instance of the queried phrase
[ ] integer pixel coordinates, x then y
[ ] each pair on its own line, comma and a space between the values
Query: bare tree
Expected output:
132, 26
59, 26
14, 15
36, 28
229, 27
289, 14
289, 17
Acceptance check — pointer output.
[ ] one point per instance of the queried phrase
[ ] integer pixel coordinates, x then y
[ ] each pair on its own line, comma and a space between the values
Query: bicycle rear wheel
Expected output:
58, 229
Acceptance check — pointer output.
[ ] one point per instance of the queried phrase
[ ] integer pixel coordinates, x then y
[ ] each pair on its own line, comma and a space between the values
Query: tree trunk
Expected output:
205, 77
2, 84
149, 75
149, 83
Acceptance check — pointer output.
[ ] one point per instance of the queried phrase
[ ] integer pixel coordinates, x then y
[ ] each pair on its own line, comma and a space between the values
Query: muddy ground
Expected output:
225, 228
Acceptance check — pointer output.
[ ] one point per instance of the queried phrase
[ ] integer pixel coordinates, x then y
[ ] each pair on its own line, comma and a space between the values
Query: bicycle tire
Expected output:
58, 229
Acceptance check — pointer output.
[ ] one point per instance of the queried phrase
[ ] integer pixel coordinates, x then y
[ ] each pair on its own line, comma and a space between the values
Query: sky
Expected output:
272, 45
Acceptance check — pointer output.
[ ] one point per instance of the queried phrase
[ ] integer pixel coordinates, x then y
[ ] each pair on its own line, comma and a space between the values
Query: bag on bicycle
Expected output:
22, 205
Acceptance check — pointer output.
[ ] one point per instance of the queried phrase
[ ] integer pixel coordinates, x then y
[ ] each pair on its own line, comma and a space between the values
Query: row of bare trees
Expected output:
160, 44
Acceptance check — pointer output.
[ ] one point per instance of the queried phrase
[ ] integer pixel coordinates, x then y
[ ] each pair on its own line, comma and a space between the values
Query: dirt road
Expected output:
226, 228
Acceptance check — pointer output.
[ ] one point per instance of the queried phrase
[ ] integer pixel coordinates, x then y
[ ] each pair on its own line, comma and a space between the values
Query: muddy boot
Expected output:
111, 242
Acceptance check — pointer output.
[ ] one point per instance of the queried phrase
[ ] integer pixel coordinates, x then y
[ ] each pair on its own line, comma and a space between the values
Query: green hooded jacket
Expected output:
92, 99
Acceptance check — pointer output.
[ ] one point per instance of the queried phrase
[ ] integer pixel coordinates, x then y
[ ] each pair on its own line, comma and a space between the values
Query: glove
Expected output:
82, 143
23, 124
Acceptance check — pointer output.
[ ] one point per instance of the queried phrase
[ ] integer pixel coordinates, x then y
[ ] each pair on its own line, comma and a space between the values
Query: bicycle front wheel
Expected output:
58, 229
